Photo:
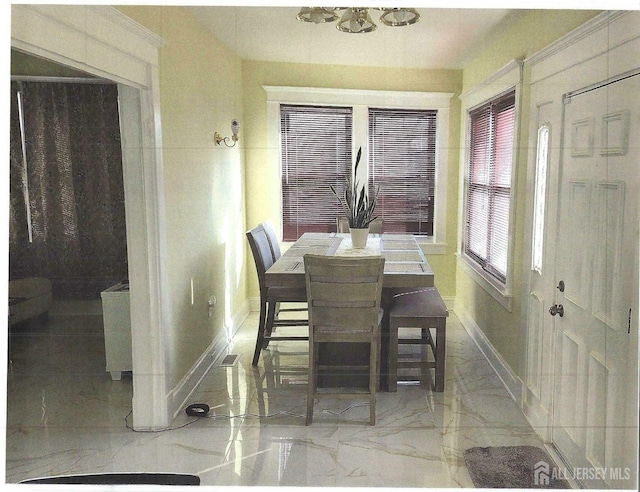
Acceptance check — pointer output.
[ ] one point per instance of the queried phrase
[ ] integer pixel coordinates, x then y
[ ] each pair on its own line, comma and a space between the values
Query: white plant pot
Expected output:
359, 237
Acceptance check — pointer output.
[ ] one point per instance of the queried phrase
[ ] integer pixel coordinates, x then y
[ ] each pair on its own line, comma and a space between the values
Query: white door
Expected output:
595, 423
537, 396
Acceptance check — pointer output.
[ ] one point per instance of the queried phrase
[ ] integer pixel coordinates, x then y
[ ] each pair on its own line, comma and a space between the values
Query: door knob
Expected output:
557, 309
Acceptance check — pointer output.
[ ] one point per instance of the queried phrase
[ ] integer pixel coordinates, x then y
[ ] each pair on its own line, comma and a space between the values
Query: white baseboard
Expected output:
450, 302
180, 394
239, 317
511, 382
254, 304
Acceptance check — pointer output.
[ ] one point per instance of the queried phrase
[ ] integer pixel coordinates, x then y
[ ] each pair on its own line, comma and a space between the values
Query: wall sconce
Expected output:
235, 128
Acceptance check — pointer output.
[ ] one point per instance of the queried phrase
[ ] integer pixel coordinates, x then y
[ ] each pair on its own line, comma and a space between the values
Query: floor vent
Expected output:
230, 360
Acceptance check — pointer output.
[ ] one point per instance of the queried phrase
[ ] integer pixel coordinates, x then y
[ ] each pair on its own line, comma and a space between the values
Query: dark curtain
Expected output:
75, 187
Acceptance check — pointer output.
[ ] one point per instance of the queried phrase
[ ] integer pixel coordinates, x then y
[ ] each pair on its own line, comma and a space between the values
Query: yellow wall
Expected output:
262, 178
200, 93
521, 35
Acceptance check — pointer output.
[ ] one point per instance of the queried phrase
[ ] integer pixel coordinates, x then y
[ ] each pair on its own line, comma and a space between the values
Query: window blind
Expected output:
402, 162
316, 154
488, 189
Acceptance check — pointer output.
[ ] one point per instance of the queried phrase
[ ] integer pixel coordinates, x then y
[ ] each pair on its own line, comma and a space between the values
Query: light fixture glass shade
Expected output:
356, 20
399, 17
235, 128
317, 15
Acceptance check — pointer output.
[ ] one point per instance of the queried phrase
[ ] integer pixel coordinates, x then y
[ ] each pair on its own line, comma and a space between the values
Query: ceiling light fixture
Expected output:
357, 20
317, 15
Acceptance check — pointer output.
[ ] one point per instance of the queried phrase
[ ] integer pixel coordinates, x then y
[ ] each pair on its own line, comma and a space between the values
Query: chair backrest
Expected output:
375, 227
343, 296
343, 225
261, 250
273, 239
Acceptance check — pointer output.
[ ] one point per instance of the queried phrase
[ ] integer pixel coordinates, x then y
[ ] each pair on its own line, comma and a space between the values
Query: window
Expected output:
316, 154
402, 162
542, 159
429, 111
488, 185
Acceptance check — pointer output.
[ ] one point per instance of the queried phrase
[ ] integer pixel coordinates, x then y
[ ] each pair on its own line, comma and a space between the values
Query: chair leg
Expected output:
392, 355
373, 380
275, 317
263, 310
312, 381
261, 328
268, 327
440, 353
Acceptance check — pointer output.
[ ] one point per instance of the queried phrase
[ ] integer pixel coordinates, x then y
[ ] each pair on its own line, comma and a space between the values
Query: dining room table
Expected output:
405, 269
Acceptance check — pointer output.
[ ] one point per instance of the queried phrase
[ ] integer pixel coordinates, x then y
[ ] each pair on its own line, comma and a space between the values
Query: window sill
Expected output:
430, 247
499, 292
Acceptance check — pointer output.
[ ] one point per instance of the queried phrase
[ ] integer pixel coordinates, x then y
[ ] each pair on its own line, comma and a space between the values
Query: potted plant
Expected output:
358, 206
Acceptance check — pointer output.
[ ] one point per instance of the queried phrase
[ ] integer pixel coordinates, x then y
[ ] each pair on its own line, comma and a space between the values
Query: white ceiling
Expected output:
443, 38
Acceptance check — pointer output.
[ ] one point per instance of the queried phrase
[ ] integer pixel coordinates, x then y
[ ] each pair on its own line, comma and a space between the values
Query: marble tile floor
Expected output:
66, 416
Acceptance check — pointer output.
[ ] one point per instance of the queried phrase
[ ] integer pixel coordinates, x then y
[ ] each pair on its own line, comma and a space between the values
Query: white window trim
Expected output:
360, 101
506, 78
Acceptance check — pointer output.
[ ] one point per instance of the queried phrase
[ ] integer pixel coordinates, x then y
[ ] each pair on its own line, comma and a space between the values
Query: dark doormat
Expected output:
521, 467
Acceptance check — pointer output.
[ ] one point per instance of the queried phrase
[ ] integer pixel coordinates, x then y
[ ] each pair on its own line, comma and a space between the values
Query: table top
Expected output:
405, 264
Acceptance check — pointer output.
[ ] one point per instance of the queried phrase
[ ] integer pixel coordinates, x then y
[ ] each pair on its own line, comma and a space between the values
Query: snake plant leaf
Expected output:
355, 170
356, 202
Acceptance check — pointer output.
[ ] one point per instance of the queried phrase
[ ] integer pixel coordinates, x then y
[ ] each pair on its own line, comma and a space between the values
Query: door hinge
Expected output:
629, 325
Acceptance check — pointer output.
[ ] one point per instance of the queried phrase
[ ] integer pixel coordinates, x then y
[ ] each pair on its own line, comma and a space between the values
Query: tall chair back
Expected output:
264, 255
262, 252
344, 303
375, 227
343, 225
273, 239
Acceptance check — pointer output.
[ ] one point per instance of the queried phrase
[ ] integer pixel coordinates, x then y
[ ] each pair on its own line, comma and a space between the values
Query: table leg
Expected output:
441, 335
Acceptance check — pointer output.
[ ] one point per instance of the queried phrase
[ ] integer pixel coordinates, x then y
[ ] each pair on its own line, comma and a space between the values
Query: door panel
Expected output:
576, 231
570, 377
609, 214
535, 340
596, 411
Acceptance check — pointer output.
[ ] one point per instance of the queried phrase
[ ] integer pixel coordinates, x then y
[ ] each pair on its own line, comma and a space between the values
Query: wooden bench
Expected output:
423, 309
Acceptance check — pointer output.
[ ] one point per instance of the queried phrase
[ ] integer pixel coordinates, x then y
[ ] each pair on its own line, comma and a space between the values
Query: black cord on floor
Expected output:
241, 416
126, 423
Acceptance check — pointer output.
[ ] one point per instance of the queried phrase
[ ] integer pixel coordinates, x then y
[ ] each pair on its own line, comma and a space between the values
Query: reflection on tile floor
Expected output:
65, 416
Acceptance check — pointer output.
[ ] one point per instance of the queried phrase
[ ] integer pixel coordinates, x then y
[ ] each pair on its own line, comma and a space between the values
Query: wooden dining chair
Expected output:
375, 227
344, 302
276, 253
271, 297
